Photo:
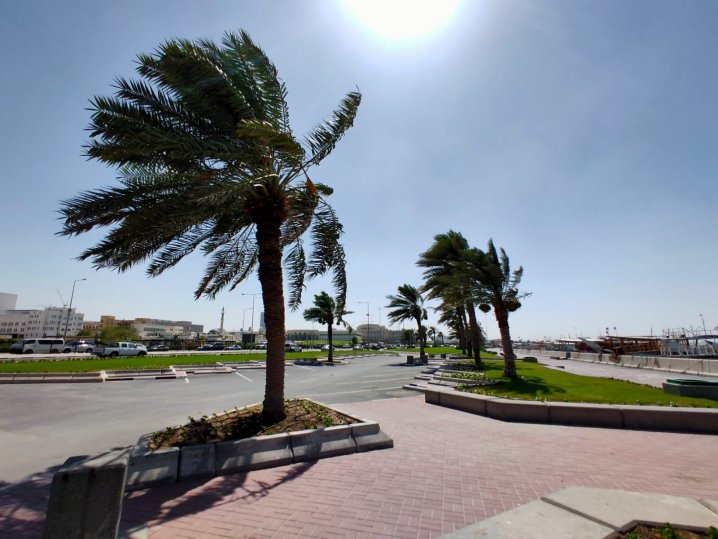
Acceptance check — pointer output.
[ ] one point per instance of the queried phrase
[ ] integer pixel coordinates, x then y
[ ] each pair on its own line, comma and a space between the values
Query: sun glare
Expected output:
402, 21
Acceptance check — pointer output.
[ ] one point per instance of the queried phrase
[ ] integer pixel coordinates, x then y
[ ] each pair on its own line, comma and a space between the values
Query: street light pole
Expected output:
367, 320
72, 295
251, 327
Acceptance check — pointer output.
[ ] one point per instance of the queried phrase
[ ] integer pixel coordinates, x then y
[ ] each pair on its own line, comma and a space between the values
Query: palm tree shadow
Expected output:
23, 503
183, 499
528, 385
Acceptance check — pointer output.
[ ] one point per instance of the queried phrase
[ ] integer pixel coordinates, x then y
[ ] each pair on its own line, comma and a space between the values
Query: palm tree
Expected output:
408, 304
325, 312
208, 161
445, 279
491, 273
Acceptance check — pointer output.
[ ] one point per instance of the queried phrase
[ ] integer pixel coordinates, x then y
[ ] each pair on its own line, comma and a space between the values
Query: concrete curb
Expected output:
658, 418
50, 378
152, 468
591, 513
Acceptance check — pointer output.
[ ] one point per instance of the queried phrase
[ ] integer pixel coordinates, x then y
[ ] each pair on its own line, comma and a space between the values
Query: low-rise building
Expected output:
34, 323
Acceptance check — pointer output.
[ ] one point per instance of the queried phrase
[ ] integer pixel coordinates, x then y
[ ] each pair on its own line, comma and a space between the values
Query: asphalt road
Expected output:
42, 425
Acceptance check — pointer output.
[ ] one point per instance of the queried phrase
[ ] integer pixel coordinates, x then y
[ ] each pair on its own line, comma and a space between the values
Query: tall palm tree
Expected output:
445, 279
491, 273
325, 311
408, 304
208, 161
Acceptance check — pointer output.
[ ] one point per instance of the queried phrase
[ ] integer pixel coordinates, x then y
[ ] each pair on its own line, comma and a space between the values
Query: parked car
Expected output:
124, 349
234, 347
38, 346
292, 347
261, 346
79, 346
325, 348
158, 348
211, 346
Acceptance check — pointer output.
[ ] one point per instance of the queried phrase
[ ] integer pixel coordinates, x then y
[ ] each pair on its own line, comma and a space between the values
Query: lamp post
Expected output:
251, 327
367, 320
69, 309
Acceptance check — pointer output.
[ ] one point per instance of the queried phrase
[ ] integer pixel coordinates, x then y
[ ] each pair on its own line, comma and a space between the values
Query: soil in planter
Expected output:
246, 422
667, 532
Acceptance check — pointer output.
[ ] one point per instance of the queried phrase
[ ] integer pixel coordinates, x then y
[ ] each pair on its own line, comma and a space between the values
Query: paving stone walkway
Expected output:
448, 469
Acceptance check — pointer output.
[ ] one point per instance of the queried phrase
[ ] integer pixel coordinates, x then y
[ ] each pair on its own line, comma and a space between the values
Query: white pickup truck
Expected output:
117, 349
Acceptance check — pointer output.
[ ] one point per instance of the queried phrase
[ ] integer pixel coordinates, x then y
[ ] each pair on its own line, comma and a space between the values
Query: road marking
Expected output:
186, 380
303, 367
243, 376
371, 381
357, 391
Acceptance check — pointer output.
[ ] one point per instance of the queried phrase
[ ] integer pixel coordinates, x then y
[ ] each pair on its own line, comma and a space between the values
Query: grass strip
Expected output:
95, 364
538, 382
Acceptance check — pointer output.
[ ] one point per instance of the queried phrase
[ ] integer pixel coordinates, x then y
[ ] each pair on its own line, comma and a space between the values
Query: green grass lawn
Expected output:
541, 383
94, 364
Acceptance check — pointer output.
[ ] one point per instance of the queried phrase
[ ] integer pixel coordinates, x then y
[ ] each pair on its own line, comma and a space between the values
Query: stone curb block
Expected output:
86, 498
197, 461
149, 468
586, 415
372, 442
521, 411
703, 421
337, 441
253, 453
306, 444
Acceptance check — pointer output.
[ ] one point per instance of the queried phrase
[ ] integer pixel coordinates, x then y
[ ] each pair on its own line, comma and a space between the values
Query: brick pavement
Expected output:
448, 469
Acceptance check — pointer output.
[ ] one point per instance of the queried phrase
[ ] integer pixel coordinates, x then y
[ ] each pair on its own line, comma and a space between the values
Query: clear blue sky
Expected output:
581, 136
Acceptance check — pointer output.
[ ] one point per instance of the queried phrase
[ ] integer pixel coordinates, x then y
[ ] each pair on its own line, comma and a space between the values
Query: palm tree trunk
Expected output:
270, 277
329, 338
467, 333
421, 340
502, 318
475, 333
461, 330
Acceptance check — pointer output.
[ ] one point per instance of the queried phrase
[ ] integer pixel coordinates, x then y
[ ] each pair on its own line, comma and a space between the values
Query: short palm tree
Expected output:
445, 279
325, 311
408, 304
208, 161
491, 274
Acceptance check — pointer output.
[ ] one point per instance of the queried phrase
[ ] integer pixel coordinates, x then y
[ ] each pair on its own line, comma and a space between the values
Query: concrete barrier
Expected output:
585, 415
696, 420
196, 461
337, 441
149, 468
515, 410
86, 498
305, 444
253, 453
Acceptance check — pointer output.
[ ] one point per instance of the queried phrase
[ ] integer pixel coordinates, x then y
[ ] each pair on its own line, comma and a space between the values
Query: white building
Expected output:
31, 323
8, 302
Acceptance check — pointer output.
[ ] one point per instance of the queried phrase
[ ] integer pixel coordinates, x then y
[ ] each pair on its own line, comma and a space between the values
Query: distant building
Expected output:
147, 328
33, 323
8, 302
262, 327
303, 335
374, 333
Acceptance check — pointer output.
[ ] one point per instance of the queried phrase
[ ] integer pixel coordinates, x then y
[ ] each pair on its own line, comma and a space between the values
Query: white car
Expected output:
292, 347
124, 349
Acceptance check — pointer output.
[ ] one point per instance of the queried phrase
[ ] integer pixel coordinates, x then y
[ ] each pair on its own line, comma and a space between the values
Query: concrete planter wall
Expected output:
150, 468
659, 418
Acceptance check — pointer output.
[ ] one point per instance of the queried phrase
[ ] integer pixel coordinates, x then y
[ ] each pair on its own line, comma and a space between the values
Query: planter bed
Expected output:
149, 467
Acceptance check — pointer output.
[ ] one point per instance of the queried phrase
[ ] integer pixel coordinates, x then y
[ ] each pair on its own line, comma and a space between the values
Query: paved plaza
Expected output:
448, 469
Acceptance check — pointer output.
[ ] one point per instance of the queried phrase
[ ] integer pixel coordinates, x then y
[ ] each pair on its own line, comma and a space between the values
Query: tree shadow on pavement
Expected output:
170, 502
23, 503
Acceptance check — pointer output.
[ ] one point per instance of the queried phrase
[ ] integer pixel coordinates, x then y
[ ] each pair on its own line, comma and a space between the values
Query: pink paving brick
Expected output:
448, 469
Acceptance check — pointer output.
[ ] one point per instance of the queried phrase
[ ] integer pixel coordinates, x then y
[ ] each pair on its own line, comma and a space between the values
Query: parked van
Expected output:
40, 346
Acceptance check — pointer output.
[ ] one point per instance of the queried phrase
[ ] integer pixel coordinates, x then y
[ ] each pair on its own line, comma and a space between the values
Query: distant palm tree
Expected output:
208, 161
492, 273
408, 304
325, 312
445, 279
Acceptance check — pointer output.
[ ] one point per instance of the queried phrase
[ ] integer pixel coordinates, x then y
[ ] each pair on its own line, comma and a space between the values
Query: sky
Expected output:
582, 137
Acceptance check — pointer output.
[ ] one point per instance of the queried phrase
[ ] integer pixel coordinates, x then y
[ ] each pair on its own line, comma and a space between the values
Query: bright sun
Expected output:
402, 21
